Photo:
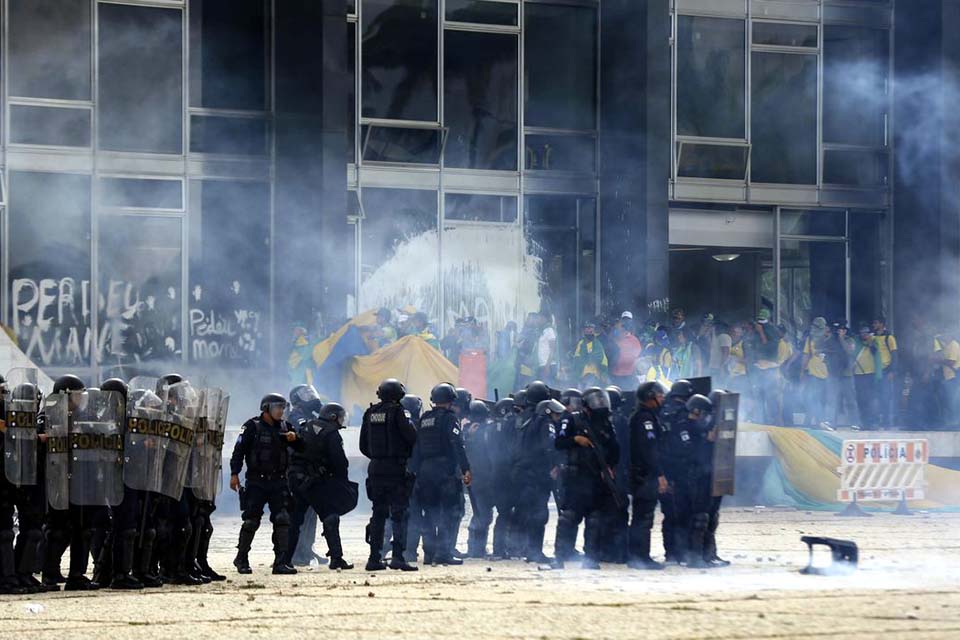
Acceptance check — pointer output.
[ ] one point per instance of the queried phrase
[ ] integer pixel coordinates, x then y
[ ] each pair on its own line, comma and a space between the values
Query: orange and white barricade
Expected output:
882, 470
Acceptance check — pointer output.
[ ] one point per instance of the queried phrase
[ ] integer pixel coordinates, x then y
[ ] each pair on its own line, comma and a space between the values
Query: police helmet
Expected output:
545, 407
503, 408
520, 400
616, 396
572, 398
391, 390
479, 411
115, 384
334, 412
413, 405
596, 399
464, 398
271, 400
68, 382
681, 389
443, 393
25, 391
650, 390
715, 396
700, 404
302, 394
537, 392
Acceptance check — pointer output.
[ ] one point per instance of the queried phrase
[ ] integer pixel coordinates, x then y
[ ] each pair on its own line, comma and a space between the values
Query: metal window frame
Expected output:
115, 209
53, 104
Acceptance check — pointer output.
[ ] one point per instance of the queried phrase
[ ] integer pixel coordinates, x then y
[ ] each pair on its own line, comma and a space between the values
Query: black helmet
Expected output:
548, 406
681, 389
616, 396
68, 382
443, 393
520, 400
572, 398
650, 391
413, 405
596, 399
537, 392
503, 408
26, 391
699, 403
464, 398
302, 394
168, 381
115, 384
479, 411
715, 396
334, 412
272, 399
391, 390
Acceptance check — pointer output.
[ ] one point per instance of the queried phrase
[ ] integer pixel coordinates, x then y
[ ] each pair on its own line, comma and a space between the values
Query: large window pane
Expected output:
785, 34
724, 162
480, 100
480, 208
855, 168
50, 49
228, 135
502, 13
399, 236
855, 71
228, 59
561, 152
141, 92
560, 66
710, 77
397, 144
400, 59
139, 258
784, 118
58, 126
50, 267
141, 193
229, 272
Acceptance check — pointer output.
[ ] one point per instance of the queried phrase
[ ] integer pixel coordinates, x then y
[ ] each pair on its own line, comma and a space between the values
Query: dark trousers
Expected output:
692, 501
259, 494
390, 498
644, 506
439, 492
309, 498
585, 497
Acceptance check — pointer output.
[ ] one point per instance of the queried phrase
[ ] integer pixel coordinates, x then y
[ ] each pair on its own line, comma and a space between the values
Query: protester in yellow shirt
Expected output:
887, 350
815, 350
868, 377
946, 353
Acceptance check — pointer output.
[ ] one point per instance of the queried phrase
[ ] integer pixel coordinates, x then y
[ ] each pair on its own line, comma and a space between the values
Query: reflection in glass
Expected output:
228, 136
399, 66
812, 282
480, 100
561, 152
140, 284
398, 144
501, 13
784, 118
50, 126
480, 208
854, 168
785, 34
141, 79
49, 49
49, 215
816, 222
855, 98
710, 77
228, 58
724, 162
560, 64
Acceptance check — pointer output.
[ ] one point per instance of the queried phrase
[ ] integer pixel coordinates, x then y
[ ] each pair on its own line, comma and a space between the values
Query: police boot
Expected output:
281, 530
710, 543
397, 561
202, 550
374, 538
566, 536
477, 544
57, 542
193, 547
125, 544
698, 531
8, 578
79, 560
247, 530
331, 531
144, 559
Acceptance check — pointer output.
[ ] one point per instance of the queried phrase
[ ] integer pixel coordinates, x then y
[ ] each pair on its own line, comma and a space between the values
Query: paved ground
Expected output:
908, 586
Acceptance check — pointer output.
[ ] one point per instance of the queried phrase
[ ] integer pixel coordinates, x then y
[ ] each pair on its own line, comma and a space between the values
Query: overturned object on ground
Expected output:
844, 554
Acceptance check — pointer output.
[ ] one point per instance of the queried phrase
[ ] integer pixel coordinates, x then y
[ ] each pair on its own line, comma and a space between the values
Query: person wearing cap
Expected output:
816, 349
764, 367
589, 358
868, 376
842, 389
624, 367
887, 349
714, 345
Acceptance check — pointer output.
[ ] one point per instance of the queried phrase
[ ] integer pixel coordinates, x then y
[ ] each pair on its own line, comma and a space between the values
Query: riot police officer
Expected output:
534, 463
615, 541
478, 437
645, 475
710, 539
589, 489
672, 447
319, 481
438, 460
414, 408
387, 438
262, 445
8, 574
693, 492
305, 405
501, 447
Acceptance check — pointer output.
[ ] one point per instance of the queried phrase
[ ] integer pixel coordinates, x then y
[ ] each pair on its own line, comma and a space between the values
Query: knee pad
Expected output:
6, 536
282, 519
567, 517
250, 525
700, 520
646, 520
32, 536
149, 535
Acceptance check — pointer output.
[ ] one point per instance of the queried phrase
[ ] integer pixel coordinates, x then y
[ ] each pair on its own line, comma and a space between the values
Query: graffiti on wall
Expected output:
228, 331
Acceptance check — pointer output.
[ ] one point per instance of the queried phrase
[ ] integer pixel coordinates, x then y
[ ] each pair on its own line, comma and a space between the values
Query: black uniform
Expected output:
303, 554
535, 457
319, 482
501, 454
438, 462
387, 438
263, 448
478, 442
673, 411
584, 494
644, 473
691, 501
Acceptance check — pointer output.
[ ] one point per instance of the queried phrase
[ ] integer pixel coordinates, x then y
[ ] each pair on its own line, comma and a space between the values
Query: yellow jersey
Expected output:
817, 365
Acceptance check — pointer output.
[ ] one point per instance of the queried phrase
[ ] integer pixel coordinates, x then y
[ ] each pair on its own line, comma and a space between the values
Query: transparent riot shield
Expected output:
201, 461
56, 418
215, 440
181, 408
725, 412
21, 405
145, 383
96, 448
145, 443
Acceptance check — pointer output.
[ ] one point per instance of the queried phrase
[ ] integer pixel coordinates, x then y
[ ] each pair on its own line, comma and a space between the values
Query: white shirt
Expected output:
545, 346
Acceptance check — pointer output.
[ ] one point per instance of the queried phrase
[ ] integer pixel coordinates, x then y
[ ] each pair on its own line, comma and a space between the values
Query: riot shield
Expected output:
145, 441
21, 404
181, 407
146, 383
725, 412
57, 429
202, 464
96, 448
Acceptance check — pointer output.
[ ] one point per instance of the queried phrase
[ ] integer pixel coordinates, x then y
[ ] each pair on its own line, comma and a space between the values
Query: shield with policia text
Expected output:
95, 448
725, 414
21, 402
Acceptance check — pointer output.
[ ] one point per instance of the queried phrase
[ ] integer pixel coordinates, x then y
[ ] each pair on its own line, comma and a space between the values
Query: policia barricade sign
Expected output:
882, 470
